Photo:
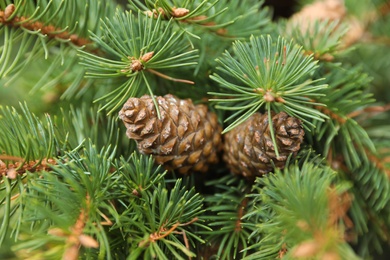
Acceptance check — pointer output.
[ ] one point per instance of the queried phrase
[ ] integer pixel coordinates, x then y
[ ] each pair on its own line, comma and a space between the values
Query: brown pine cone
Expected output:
185, 138
248, 148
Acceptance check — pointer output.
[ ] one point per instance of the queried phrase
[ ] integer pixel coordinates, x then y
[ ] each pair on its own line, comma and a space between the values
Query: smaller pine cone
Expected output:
249, 150
185, 138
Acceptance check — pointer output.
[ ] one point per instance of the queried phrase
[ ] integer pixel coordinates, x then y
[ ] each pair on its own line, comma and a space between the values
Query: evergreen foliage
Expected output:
303, 217
73, 186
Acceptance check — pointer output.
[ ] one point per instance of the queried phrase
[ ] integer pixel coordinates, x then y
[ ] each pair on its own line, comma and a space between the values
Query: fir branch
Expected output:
167, 219
27, 144
370, 111
369, 209
76, 196
226, 210
253, 19
138, 45
267, 73
76, 238
156, 218
368, 175
79, 126
215, 17
20, 167
347, 93
319, 228
138, 174
26, 137
320, 38
381, 160
37, 30
185, 11
8, 18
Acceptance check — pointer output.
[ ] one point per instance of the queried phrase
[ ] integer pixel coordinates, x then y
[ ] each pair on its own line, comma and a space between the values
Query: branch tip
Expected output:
37, 26
179, 12
9, 10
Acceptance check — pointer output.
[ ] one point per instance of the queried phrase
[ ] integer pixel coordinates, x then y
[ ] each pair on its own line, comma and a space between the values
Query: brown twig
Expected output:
317, 56
163, 232
325, 242
19, 167
76, 238
379, 162
189, 222
170, 78
201, 20
240, 213
370, 111
186, 243
283, 251
339, 204
107, 221
330, 113
8, 18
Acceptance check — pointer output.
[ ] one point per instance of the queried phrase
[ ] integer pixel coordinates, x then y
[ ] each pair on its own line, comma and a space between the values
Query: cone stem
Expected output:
271, 129
170, 78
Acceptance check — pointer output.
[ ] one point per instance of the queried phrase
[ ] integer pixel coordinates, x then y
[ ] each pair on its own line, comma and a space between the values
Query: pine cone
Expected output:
186, 137
248, 148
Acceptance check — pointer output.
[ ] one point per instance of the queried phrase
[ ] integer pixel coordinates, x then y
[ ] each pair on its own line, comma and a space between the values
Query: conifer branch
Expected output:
163, 232
11, 170
371, 212
213, 17
266, 73
370, 111
73, 186
322, 39
76, 238
231, 230
137, 44
34, 141
335, 116
8, 18
320, 232
380, 162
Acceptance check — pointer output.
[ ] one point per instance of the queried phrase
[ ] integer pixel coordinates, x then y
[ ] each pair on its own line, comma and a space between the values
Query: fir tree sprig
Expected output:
254, 19
188, 11
347, 93
264, 73
27, 144
138, 173
24, 136
79, 126
38, 30
299, 218
167, 218
210, 16
137, 45
370, 207
320, 38
226, 209
77, 201
71, 186
152, 217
